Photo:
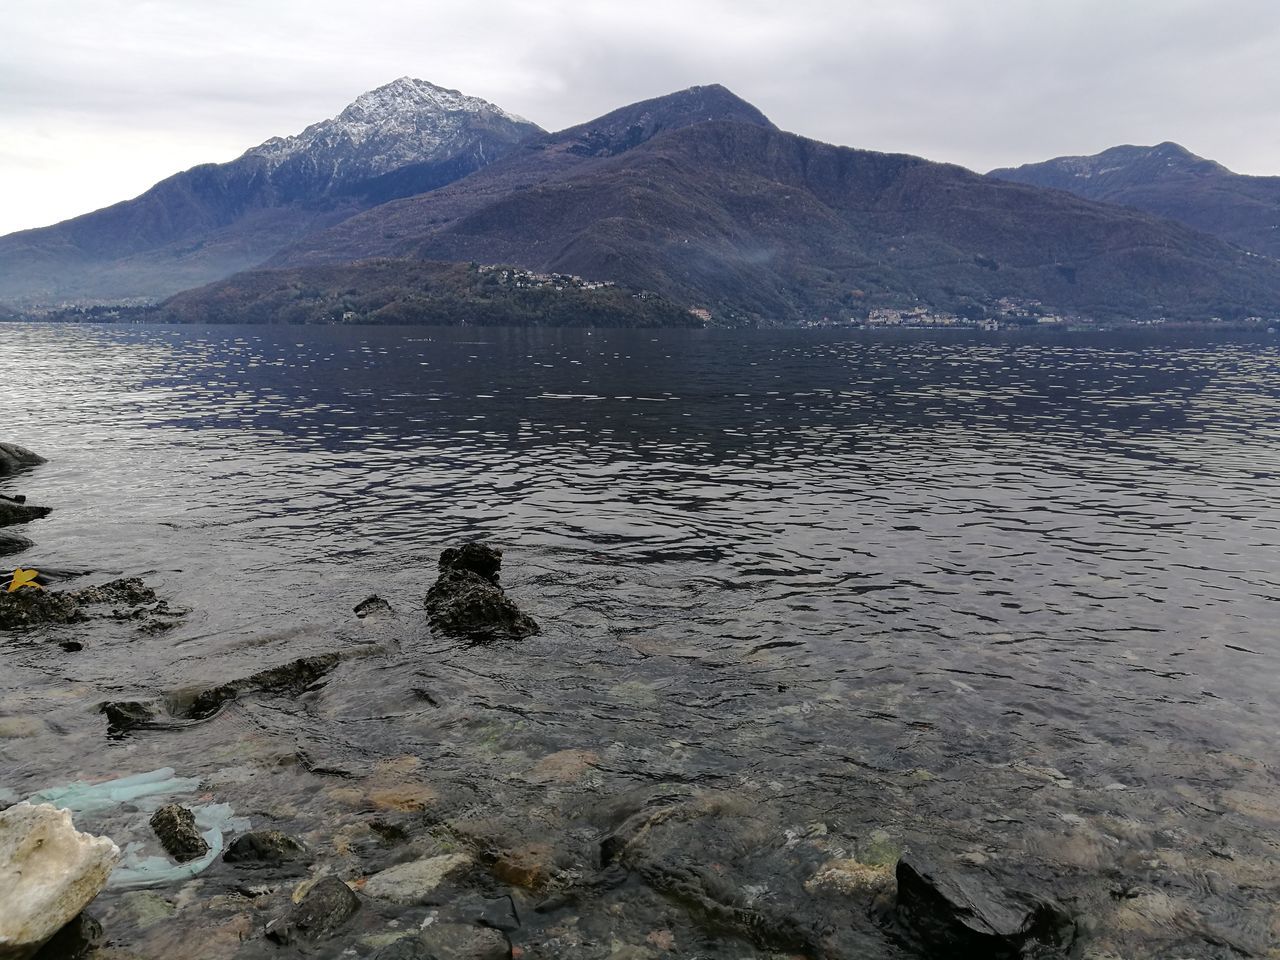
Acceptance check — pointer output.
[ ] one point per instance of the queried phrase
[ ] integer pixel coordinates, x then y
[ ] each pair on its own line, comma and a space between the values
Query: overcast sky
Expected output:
101, 98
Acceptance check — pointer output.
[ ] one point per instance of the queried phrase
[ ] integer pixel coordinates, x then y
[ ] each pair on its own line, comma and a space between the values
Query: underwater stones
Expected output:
412, 882
292, 679
459, 941
49, 872
175, 825
264, 846
467, 601
957, 917
14, 458
11, 512
327, 905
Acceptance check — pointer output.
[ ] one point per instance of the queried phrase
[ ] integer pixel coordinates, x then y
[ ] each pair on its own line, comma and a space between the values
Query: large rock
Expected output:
467, 601
952, 916
11, 512
288, 679
264, 846
49, 872
14, 458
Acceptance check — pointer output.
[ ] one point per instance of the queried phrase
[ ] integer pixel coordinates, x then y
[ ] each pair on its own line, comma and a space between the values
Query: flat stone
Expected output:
49, 872
412, 882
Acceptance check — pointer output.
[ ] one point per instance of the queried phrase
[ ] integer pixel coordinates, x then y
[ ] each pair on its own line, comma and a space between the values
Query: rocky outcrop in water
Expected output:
952, 916
175, 825
14, 510
264, 846
14, 458
467, 600
49, 872
11, 543
126, 599
291, 678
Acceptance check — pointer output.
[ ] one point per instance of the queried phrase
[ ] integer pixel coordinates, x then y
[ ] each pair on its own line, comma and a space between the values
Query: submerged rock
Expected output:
14, 458
373, 606
11, 543
12, 511
327, 906
458, 941
264, 846
290, 679
956, 917
467, 601
28, 607
175, 825
128, 599
413, 882
125, 715
49, 872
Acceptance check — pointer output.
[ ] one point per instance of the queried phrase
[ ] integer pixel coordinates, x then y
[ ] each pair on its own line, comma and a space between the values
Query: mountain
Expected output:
1169, 181
403, 138
736, 216
395, 227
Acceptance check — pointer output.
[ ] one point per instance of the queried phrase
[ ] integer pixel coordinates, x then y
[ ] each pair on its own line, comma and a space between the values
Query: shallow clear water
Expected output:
1012, 596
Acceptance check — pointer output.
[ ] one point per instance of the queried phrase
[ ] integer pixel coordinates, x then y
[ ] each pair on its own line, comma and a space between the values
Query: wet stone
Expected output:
326, 907
14, 458
175, 825
289, 679
125, 715
373, 606
949, 915
499, 914
12, 512
457, 941
413, 882
264, 846
73, 941
11, 543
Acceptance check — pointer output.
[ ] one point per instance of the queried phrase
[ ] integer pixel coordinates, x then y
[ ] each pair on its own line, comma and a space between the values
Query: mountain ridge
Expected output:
1169, 181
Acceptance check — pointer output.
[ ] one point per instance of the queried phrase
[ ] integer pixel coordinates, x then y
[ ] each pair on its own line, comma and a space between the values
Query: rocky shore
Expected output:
353, 801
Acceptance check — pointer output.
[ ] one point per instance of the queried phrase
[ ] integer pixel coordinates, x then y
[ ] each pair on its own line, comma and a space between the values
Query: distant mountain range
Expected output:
1169, 181
695, 197
212, 220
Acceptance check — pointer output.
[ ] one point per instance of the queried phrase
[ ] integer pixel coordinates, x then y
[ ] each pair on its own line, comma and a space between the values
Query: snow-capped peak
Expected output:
405, 121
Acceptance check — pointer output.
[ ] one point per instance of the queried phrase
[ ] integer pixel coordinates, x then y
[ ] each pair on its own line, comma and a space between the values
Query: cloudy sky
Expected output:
101, 98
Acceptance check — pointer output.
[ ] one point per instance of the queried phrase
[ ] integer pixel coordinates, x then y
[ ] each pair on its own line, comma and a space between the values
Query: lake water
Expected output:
1009, 598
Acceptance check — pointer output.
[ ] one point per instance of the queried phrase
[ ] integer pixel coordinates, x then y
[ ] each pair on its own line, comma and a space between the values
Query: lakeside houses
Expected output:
529, 280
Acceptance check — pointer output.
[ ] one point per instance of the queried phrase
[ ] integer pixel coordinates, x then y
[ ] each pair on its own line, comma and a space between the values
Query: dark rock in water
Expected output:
126, 591
478, 558
466, 600
73, 941
28, 607
14, 458
458, 941
11, 543
954, 917
175, 825
499, 914
326, 907
289, 679
11, 512
125, 715
373, 606
264, 846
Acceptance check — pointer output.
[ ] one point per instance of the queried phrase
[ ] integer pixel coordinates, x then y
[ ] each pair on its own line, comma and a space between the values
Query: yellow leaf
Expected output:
24, 578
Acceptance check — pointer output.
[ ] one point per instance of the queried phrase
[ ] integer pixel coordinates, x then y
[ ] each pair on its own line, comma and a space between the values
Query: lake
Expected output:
1007, 598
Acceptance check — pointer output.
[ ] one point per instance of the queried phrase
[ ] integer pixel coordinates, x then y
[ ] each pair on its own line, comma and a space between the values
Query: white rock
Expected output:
48, 873
410, 882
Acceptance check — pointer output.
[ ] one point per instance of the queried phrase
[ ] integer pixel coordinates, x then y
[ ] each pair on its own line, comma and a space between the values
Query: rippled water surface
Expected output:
1015, 598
